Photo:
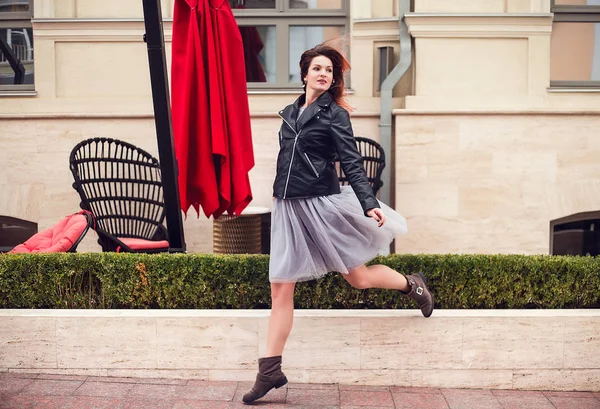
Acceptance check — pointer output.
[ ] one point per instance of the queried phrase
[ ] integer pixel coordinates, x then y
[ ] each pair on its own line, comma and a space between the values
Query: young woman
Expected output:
318, 226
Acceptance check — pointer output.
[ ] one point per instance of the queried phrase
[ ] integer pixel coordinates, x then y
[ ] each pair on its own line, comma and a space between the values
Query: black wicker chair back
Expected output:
121, 186
373, 161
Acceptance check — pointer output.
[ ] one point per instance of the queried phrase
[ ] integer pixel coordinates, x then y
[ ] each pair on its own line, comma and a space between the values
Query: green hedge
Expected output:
204, 281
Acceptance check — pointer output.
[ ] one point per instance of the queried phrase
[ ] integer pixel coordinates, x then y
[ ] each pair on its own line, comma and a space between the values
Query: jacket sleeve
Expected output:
351, 160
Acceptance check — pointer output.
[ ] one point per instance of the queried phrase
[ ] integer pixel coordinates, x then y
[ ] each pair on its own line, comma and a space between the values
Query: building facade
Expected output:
494, 122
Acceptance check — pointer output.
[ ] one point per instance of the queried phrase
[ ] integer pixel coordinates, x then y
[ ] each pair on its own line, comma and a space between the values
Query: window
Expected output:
576, 235
16, 45
575, 44
275, 33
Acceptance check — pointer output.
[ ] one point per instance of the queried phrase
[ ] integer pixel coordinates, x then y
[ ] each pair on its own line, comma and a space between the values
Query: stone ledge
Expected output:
503, 349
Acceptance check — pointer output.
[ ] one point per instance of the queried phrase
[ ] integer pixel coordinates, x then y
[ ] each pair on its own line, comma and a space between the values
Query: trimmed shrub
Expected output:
206, 281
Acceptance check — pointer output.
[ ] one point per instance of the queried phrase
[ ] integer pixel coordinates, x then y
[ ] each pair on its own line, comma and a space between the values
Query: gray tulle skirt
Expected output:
311, 237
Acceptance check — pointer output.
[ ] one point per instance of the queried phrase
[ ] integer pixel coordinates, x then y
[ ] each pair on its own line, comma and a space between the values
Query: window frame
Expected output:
574, 14
20, 19
283, 17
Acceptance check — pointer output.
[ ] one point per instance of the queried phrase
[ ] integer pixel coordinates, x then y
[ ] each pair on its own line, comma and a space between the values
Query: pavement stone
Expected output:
43, 391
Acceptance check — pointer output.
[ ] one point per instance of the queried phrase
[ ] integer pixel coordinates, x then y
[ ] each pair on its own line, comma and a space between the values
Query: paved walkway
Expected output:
33, 391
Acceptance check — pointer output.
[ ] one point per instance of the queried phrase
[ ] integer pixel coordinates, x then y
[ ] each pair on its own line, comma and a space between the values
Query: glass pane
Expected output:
304, 37
259, 52
577, 2
251, 4
575, 52
316, 4
16, 56
14, 5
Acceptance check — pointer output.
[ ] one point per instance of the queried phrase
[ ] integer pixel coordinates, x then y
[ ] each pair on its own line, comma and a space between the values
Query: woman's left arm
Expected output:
352, 161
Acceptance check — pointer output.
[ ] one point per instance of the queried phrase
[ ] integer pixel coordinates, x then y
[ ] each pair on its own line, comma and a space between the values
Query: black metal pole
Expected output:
162, 118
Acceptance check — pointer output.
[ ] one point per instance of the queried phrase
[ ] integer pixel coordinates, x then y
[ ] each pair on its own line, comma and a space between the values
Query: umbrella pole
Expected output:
162, 118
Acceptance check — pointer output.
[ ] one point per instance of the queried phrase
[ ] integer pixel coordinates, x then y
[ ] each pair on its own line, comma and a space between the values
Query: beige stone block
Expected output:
469, 378
28, 342
432, 234
582, 343
577, 165
537, 133
367, 127
197, 374
462, 168
428, 133
574, 197
39, 168
318, 343
489, 200
433, 199
519, 6
64, 8
384, 341
509, 354
84, 342
518, 166
22, 201
198, 232
411, 165
362, 377
95, 70
64, 371
208, 343
460, 6
557, 379
470, 66
109, 9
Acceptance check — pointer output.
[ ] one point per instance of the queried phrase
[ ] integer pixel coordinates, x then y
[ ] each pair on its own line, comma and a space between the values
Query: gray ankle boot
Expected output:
420, 294
269, 376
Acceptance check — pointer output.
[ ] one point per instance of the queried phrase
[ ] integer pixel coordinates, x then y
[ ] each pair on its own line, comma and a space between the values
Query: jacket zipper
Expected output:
311, 165
293, 153
292, 158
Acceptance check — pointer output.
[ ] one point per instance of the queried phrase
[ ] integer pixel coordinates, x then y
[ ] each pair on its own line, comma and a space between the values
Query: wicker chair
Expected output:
373, 161
121, 186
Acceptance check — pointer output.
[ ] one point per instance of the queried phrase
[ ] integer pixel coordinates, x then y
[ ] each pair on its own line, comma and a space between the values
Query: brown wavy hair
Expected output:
340, 66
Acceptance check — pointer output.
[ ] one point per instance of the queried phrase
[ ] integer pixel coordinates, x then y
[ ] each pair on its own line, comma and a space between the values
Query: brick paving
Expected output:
38, 391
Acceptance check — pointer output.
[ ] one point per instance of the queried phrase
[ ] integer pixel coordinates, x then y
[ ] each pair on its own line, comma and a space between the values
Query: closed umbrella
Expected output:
211, 119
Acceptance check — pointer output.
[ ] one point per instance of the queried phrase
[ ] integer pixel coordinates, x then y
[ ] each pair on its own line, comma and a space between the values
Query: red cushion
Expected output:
141, 244
58, 238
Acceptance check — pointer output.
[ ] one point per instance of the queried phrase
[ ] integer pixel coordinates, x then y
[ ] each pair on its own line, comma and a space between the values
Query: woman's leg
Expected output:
280, 324
380, 276
282, 316
377, 276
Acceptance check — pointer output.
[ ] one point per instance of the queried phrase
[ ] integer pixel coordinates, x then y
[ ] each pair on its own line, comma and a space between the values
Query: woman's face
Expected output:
320, 74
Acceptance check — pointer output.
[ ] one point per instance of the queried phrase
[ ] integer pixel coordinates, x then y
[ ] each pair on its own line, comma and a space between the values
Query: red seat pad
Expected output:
142, 244
58, 238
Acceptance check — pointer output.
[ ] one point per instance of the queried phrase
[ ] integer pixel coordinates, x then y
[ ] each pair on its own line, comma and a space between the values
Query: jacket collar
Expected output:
290, 113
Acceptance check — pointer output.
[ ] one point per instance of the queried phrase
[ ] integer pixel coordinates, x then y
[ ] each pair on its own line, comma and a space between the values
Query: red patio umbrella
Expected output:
211, 118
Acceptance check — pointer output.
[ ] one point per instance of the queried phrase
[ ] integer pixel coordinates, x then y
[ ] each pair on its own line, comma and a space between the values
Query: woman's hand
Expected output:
377, 215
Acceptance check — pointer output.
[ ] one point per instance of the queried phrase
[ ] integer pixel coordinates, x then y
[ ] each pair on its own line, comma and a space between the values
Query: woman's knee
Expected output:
282, 293
357, 278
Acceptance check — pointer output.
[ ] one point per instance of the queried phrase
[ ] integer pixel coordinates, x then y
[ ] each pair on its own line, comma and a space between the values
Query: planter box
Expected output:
500, 349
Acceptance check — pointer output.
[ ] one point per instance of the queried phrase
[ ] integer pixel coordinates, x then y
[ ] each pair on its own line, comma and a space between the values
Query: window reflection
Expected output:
259, 52
251, 4
12, 6
304, 37
575, 51
16, 56
316, 4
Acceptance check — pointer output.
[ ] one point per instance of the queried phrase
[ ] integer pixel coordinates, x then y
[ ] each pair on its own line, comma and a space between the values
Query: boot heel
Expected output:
281, 383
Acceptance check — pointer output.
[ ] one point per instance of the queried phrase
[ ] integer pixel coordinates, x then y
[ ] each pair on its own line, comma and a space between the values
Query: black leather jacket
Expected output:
308, 146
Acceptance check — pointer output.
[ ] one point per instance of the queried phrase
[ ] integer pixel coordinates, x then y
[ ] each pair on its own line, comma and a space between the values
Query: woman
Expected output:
318, 227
